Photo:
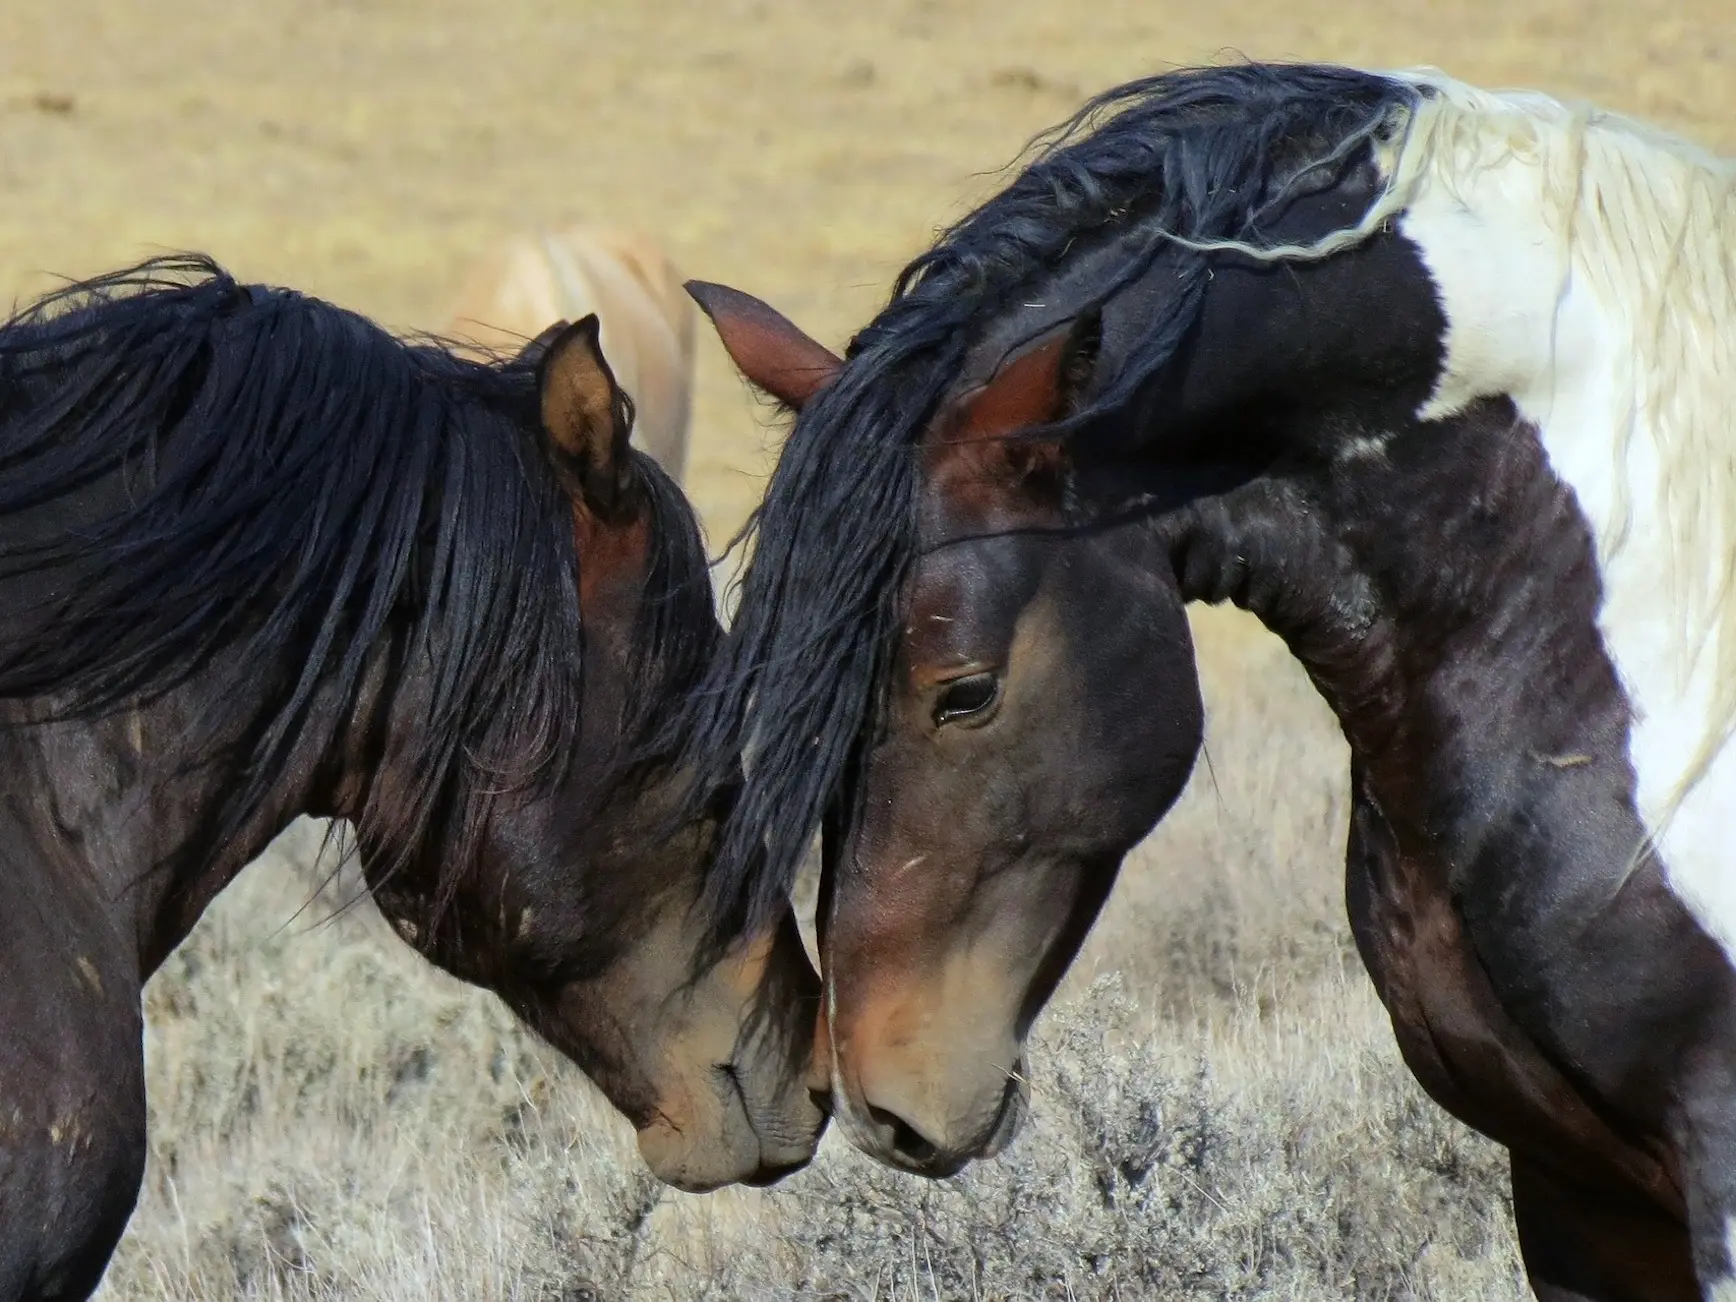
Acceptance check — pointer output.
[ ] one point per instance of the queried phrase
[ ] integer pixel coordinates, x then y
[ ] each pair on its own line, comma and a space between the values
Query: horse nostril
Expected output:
907, 1142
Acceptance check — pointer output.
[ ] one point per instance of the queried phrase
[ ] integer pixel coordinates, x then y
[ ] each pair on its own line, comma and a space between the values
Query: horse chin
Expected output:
728, 1154
673, 1156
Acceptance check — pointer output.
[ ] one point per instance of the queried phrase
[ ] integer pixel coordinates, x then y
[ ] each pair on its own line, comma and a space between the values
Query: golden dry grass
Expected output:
1219, 1111
334, 1120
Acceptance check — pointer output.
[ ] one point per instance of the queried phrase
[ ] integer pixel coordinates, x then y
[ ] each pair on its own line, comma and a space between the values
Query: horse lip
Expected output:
864, 1134
770, 1171
1014, 1110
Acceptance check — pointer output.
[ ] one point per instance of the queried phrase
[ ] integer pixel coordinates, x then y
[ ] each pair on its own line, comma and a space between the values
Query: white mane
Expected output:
1648, 221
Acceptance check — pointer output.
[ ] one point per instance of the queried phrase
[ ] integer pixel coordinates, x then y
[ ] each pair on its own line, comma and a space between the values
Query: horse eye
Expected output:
964, 697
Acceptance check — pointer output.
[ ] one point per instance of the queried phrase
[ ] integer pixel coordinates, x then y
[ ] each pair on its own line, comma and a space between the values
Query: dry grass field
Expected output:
1220, 1112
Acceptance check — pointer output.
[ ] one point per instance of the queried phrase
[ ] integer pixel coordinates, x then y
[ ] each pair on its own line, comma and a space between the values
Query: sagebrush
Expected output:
1219, 1110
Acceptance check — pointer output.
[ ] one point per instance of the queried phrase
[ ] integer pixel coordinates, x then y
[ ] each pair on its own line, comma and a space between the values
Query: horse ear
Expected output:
766, 346
1038, 386
534, 351
587, 416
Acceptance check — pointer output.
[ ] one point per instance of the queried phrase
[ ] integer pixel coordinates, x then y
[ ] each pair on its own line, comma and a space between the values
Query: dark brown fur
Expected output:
119, 820
1226, 428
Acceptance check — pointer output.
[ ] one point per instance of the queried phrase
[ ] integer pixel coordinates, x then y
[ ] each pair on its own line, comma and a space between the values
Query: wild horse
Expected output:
530, 279
1435, 381
260, 558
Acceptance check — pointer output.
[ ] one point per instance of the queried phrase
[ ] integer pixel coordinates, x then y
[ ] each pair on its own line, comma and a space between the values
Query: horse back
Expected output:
529, 281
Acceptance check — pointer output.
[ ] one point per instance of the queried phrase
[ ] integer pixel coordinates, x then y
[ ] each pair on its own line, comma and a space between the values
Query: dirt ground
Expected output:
367, 149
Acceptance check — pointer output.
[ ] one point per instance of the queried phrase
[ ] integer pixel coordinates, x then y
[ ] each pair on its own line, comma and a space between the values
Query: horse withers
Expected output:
1435, 381
517, 288
258, 559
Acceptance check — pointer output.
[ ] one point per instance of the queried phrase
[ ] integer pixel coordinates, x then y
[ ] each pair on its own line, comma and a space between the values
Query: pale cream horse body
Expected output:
531, 281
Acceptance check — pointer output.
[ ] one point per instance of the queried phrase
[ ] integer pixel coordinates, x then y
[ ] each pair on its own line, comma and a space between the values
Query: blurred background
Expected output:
369, 150
1220, 1111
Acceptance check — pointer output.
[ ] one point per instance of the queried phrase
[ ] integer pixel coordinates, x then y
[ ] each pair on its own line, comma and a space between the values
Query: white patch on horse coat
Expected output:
1611, 327
1724, 1290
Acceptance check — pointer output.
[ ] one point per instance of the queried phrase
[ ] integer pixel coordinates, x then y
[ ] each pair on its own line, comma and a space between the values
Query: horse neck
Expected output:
121, 817
1592, 281
1441, 590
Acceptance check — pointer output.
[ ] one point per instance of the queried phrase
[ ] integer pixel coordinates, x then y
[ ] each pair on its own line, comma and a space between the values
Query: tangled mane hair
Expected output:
1200, 159
246, 492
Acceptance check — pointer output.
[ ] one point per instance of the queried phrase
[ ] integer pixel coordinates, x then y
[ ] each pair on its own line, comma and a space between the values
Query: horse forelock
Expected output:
1196, 158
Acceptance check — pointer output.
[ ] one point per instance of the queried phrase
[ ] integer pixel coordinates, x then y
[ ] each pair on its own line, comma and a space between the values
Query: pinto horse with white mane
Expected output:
516, 290
259, 558
1438, 383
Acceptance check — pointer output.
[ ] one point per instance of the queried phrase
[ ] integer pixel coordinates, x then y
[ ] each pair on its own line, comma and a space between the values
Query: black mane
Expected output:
199, 477
1201, 154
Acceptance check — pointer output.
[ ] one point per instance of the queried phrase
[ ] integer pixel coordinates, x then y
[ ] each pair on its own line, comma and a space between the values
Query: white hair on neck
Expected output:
1648, 220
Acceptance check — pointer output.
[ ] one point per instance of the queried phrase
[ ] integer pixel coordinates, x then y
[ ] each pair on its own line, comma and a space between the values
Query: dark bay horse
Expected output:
260, 558
1438, 383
